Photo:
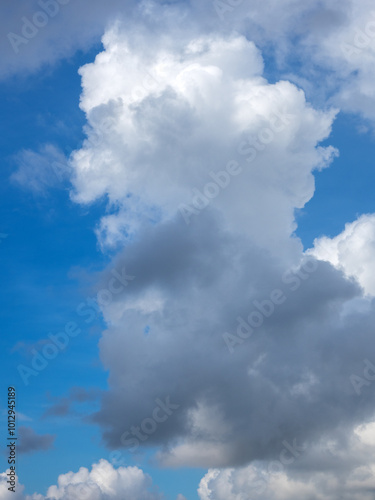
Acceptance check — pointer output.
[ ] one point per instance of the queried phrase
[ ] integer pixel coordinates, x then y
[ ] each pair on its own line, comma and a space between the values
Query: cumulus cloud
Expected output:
349, 50
203, 163
6, 494
225, 319
353, 251
102, 482
325, 471
289, 380
190, 110
333, 40
30, 441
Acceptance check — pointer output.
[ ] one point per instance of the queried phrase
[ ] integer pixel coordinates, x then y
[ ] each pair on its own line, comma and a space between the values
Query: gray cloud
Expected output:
31, 442
64, 406
196, 283
290, 380
58, 33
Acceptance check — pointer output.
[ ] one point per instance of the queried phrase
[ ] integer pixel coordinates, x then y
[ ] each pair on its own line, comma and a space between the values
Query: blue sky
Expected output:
343, 191
49, 251
64, 237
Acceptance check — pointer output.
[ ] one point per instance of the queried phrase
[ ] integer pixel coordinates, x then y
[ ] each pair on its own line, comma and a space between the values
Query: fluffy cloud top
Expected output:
165, 120
353, 251
331, 34
102, 482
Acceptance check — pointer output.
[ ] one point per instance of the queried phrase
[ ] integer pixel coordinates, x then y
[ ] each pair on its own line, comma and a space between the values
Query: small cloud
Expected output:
25, 349
60, 409
30, 442
81, 395
38, 171
63, 406
23, 418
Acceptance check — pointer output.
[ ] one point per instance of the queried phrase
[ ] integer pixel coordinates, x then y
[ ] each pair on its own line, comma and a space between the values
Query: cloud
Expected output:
23, 418
298, 363
41, 32
167, 120
102, 482
5, 494
353, 251
203, 162
190, 110
38, 171
349, 50
333, 40
31, 442
63, 406
326, 471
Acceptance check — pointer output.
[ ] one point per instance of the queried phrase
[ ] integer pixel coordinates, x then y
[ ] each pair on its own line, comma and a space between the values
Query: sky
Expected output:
187, 247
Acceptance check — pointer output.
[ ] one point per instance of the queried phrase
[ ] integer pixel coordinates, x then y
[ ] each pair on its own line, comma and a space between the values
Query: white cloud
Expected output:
353, 251
333, 39
349, 50
164, 117
102, 482
6, 494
